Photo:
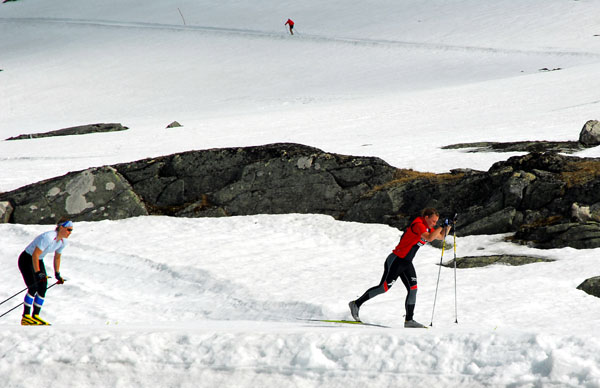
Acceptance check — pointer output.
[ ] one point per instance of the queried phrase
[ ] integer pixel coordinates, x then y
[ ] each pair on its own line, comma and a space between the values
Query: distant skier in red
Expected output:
290, 22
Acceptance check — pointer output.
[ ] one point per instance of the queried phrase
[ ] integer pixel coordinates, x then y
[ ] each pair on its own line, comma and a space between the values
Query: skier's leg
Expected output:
26, 268
387, 280
409, 279
42, 285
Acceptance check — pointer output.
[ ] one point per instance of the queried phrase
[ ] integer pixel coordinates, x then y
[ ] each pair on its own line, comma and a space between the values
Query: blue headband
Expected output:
67, 224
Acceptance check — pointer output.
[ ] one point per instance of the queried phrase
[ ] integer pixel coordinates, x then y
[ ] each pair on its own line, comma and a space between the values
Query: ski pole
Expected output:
25, 289
182, 18
438, 279
455, 297
21, 304
6, 300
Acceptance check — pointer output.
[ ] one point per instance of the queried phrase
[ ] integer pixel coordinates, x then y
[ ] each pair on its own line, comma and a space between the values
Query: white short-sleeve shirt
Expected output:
47, 243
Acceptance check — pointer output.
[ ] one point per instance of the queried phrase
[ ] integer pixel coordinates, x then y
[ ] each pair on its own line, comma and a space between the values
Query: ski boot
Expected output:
38, 320
414, 324
354, 310
27, 320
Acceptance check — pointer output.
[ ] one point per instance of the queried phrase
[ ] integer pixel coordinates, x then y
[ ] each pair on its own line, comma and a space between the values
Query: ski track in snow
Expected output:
299, 36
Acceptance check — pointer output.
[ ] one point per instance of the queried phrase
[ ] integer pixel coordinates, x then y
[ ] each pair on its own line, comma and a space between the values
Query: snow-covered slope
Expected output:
206, 302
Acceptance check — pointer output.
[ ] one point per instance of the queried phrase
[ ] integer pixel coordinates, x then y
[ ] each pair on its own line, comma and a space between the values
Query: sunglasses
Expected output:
70, 229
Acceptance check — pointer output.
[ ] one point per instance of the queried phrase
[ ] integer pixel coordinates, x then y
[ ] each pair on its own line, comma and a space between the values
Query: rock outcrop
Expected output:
274, 179
544, 197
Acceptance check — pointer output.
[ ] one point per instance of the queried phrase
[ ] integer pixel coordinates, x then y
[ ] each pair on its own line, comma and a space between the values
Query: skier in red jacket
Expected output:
399, 264
290, 22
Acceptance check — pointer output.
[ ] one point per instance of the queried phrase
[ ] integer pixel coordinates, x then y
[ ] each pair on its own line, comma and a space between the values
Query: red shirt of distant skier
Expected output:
290, 23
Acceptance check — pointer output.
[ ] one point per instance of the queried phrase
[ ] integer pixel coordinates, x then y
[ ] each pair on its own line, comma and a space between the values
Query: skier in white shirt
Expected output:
31, 265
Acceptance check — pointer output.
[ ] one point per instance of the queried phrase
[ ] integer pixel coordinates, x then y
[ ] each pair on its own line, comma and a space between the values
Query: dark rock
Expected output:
577, 235
502, 221
274, 179
514, 188
174, 124
591, 286
545, 162
79, 130
520, 146
484, 261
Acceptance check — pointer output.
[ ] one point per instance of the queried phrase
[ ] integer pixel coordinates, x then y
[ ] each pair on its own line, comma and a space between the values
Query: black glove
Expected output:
59, 279
446, 222
40, 276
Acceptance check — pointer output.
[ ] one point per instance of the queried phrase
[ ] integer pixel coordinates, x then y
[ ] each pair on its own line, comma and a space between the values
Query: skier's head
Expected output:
431, 216
64, 227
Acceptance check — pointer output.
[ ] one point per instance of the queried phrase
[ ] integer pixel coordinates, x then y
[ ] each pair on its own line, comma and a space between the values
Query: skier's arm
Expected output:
36, 259
56, 262
435, 234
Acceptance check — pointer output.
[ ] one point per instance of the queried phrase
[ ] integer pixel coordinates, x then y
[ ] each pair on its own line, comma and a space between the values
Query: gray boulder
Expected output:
581, 213
590, 133
591, 286
89, 195
6, 210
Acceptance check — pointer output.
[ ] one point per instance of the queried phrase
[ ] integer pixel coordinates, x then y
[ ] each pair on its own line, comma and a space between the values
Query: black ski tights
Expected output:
393, 268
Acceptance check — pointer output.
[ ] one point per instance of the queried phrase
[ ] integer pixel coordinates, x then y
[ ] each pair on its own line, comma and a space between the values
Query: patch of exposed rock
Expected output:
79, 130
591, 286
589, 136
567, 147
484, 261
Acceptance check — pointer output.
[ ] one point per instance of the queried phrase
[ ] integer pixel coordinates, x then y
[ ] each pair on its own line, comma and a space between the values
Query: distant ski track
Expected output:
300, 36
